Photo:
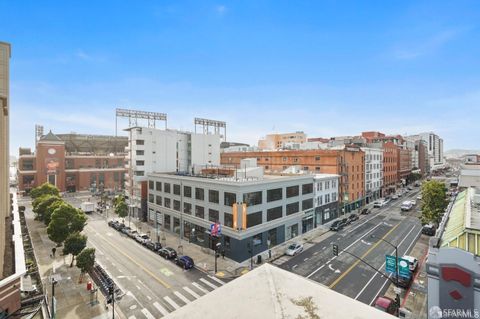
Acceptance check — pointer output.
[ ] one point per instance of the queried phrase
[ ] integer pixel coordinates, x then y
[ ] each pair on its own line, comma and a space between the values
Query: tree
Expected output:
121, 209
434, 201
47, 217
66, 220
41, 204
86, 260
74, 244
44, 189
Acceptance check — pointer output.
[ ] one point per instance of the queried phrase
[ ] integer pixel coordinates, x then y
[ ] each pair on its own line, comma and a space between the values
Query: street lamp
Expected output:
396, 265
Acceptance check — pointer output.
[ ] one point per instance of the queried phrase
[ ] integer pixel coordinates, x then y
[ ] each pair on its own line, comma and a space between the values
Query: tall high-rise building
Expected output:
4, 144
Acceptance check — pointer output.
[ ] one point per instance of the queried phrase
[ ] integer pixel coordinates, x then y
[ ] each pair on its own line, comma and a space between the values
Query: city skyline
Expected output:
325, 69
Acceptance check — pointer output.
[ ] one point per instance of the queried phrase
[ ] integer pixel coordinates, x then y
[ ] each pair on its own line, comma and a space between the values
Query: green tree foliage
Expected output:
41, 204
74, 244
47, 217
121, 209
44, 189
434, 201
66, 220
86, 259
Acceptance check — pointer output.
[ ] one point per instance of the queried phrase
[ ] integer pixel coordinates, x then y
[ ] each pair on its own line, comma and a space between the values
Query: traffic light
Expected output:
335, 250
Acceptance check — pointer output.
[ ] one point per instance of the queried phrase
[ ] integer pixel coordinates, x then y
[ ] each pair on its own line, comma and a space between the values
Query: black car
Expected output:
428, 230
346, 221
352, 217
185, 262
111, 223
153, 246
119, 226
337, 225
167, 253
365, 211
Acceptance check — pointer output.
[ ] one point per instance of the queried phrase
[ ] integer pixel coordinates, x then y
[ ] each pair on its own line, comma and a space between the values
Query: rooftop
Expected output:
269, 292
462, 228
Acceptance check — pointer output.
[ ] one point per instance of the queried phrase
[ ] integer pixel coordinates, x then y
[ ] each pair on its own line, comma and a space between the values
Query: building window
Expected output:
274, 194
199, 211
274, 213
187, 208
176, 189
307, 189
253, 198
229, 198
327, 184
295, 160
284, 159
292, 208
317, 168
307, 204
151, 198
317, 158
176, 205
257, 240
228, 219
69, 164
158, 186
213, 196
272, 237
305, 168
199, 193
187, 191
166, 202
213, 215
254, 219
150, 185
167, 221
292, 191
140, 142
140, 163
159, 200
166, 187
140, 152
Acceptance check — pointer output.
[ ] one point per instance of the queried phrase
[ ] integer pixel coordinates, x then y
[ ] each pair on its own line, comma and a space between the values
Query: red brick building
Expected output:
346, 161
390, 167
73, 162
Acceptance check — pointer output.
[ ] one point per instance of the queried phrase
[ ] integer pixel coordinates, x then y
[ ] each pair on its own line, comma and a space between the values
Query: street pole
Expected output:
156, 226
54, 282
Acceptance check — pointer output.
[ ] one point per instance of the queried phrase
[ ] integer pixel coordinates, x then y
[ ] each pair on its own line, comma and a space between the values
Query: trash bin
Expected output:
259, 259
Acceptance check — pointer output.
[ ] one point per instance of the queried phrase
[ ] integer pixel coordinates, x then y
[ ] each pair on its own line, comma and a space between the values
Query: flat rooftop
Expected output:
269, 292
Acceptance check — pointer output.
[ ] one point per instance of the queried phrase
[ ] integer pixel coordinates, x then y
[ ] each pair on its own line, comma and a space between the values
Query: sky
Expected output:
324, 67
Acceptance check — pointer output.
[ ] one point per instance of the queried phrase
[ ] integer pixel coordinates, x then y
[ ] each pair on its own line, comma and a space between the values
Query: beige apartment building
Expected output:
4, 144
276, 141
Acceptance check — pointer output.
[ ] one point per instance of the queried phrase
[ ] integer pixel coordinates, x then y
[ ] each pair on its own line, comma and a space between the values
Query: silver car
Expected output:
294, 249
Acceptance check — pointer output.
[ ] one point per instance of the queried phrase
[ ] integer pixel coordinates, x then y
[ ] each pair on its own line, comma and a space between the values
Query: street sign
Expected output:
390, 264
216, 229
403, 269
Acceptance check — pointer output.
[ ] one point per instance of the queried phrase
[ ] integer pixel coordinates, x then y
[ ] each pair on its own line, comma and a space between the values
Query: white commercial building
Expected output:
153, 150
325, 197
373, 173
434, 149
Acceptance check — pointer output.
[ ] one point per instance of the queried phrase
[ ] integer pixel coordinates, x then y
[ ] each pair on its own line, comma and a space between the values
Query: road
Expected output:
345, 273
153, 286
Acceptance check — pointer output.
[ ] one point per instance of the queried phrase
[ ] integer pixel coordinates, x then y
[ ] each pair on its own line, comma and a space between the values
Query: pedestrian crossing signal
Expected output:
335, 250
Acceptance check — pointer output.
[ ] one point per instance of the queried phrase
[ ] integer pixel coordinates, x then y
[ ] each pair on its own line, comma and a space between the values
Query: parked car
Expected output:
126, 230
185, 262
132, 234
412, 262
409, 188
346, 221
337, 225
378, 204
153, 246
413, 201
365, 211
111, 222
144, 239
294, 249
352, 217
119, 226
394, 196
428, 230
387, 305
167, 253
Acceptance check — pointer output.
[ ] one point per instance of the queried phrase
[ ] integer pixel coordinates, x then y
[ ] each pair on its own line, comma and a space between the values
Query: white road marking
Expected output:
200, 288
208, 283
366, 242
132, 317
149, 298
337, 271
317, 251
305, 259
147, 313
159, 307
356, 241
171, 302
138, 287
294, 266
182, 297
190, 291
381, 267
217, 280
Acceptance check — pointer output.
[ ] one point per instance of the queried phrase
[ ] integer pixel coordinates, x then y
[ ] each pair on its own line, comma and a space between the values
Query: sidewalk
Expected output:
72, 298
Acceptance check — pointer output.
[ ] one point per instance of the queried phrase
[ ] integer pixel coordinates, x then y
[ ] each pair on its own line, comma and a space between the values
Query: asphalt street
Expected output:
152, 286
347, 274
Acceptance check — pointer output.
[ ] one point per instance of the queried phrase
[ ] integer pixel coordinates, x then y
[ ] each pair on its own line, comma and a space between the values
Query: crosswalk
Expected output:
178, 298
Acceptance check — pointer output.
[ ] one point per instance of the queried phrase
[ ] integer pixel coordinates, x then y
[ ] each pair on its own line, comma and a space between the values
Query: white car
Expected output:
414, 202
294, 249
412, 262
406, 205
